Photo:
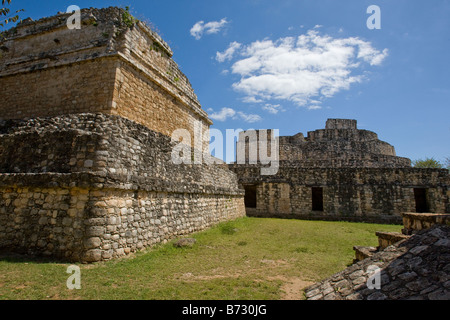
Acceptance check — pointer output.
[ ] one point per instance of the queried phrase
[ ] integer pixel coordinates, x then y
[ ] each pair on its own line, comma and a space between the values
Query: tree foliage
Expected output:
447, 163
427, 163
5, 14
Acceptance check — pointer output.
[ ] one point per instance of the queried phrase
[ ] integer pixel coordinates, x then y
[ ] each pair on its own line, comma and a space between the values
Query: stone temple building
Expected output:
339, 173
86, 150
86, 119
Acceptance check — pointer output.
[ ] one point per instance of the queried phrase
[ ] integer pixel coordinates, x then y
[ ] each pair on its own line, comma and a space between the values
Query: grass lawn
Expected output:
246, 259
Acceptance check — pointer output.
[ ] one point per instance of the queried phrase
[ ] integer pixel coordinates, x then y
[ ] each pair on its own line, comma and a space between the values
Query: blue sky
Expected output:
292, 64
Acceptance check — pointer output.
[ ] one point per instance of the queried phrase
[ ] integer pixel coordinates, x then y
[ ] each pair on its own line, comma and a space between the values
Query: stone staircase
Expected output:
412, 223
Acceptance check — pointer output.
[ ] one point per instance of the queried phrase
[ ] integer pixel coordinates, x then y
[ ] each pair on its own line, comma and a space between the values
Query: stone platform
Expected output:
93, 187
413, 267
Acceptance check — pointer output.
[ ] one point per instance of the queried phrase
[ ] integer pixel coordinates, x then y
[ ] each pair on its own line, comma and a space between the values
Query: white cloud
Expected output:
250, 118
197, 30
251, 100
226, 113
223, 114
273, 108
304, 69
211, 27
228, 53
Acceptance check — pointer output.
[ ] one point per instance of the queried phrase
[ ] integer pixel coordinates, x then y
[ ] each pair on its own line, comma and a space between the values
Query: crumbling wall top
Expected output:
112, 16
340, 144
341, 124
48, 69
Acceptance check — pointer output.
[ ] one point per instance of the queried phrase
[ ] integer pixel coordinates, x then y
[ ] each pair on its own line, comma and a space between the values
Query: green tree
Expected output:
427, 163
5, 14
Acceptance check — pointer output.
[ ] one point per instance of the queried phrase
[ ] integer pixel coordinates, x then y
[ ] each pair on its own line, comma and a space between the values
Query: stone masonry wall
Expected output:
86, 170
107, 66
138, 97
80, 88
91, 187
355, 176
341, 144
100, 143
358, 194
89, 225
413, 269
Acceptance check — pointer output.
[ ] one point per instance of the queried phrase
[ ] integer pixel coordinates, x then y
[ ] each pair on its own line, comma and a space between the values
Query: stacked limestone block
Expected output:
86, 170
378, 195
92, 187
114, 65
413, 269
359, 177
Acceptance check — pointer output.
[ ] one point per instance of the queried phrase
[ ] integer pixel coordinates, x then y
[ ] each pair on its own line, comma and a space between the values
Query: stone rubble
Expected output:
417, 268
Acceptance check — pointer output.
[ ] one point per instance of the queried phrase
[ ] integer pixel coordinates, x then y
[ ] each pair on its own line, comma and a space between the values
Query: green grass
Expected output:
246, 259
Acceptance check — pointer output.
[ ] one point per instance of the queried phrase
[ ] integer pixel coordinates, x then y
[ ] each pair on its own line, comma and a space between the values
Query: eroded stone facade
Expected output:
86, 170
106, 66
340, 173
403, 267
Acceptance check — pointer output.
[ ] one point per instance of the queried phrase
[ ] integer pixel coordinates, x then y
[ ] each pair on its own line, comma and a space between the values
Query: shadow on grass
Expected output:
18, 257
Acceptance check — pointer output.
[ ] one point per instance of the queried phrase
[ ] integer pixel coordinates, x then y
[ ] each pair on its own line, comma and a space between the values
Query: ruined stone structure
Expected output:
338, 173
85, 151
86, 170
105, 67
414, 265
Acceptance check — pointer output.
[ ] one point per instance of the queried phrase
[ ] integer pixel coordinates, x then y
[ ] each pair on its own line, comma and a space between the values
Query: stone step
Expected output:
362, 252
386, 239
414, 222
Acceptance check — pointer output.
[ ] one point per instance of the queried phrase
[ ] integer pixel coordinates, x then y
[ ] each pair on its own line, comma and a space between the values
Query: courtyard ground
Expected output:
245, 259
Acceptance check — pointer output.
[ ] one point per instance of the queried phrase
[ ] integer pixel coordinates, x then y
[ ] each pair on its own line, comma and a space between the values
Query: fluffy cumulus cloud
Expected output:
250, 118
228, 113
223, 114
305, 69
273, 108
211, 27
228, 53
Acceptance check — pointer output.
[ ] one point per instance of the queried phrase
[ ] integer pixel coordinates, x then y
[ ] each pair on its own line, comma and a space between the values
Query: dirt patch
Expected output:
191, 277
292, 288
275, 263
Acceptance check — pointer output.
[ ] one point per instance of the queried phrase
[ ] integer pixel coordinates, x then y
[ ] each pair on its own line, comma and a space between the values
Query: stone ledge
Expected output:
438, 217
362, 252
108, 181
416, 269
386, 239
414, 222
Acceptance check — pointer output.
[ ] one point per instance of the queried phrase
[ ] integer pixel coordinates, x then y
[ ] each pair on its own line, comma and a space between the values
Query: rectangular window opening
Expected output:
420, 196
250, 196
317, 199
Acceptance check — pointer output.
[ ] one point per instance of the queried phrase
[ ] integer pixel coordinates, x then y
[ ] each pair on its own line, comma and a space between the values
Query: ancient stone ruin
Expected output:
414, 265
86, 170
338, 173
85, 151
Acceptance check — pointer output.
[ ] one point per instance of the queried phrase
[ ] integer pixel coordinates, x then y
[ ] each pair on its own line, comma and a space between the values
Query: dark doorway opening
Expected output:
317, 199
250, 196
420, 195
